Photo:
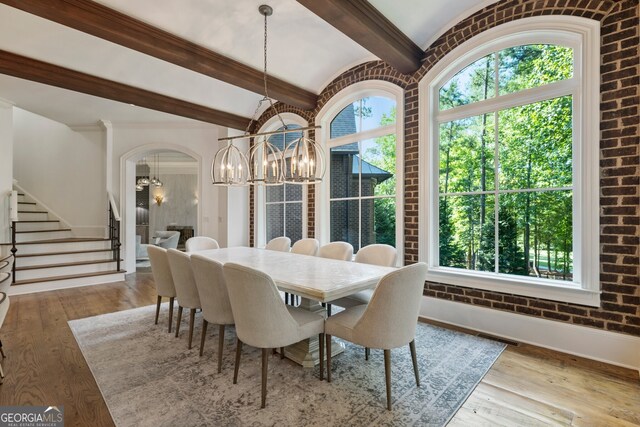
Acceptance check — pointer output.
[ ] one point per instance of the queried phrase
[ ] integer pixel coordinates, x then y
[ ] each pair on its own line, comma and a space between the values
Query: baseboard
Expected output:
596, 344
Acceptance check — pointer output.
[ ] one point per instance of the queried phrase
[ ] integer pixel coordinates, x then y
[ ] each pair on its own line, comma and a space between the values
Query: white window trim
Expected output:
259, 194
585, 35
339, 101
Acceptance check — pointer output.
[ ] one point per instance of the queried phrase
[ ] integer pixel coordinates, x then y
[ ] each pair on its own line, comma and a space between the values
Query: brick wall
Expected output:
619, 169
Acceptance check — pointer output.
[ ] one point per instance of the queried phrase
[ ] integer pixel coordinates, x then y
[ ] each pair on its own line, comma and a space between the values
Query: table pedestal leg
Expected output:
307, 352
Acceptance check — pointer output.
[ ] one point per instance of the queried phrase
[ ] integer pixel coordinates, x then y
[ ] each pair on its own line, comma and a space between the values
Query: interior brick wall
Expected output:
619, 165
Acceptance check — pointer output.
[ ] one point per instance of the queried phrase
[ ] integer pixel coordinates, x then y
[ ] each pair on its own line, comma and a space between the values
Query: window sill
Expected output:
528, 287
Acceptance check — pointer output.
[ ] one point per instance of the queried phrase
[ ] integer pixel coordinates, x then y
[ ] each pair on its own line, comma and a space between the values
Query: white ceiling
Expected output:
303, 50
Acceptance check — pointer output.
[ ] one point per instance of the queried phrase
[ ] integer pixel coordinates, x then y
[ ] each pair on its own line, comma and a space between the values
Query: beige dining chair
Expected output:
214, 299
376, 254
305, 247
162, 278
186, 289
280, 244
200, 243
336, 250
388, 321
263, 320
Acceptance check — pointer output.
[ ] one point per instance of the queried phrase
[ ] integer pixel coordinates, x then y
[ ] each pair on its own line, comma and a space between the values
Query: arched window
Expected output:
361, 200
509, 154
281, 209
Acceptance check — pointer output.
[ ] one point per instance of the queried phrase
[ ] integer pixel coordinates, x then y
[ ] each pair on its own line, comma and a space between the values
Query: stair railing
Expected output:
114, 230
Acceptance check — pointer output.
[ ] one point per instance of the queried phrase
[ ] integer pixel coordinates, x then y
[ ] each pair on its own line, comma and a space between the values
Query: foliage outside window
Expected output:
362, 164
506, 189
283, 203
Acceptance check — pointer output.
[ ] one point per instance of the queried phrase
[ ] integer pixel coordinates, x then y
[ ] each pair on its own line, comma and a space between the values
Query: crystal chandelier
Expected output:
302, 161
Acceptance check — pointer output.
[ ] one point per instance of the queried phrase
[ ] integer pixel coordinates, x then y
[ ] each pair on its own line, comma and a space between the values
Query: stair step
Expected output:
62, 253
63, 245
43, 231
33, 215
70, 276
56, 257
27, 203
38, 225
41, 212
67, 240
40, 235
63, 264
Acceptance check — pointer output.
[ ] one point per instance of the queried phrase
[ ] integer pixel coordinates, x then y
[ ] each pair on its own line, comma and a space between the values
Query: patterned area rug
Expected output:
149, 378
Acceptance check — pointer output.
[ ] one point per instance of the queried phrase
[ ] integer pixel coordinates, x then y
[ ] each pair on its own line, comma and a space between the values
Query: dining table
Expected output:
316, 280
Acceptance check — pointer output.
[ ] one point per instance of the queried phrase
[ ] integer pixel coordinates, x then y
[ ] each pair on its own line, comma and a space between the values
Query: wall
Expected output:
63, 169
6, 171
180, 202
619, 214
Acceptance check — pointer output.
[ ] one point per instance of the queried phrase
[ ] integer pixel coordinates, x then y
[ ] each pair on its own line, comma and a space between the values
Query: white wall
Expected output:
63, 169
6, 170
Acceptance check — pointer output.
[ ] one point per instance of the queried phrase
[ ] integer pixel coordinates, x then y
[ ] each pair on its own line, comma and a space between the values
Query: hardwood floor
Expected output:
527, 386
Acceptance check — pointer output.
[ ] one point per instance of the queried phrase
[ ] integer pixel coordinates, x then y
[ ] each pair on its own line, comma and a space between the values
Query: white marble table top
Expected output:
312, 277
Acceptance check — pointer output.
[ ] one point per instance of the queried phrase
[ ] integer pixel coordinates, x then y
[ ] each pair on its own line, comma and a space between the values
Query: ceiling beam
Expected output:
365, 25
43, 72
100, 21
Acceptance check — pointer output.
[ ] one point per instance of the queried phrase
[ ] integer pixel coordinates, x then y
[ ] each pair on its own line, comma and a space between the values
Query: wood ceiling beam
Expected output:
108, 24
365, 25
43, 72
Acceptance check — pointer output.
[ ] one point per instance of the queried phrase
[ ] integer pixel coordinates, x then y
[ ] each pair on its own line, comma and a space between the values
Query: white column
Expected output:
6, 166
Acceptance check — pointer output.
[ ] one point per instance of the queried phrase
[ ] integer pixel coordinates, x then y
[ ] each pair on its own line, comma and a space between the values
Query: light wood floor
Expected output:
527, 386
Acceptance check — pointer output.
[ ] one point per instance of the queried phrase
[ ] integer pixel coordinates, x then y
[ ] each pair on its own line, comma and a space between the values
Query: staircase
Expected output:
50, 257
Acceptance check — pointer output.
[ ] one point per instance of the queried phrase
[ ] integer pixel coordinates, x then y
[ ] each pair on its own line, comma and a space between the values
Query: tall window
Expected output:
283, 203
509, 158
362, 165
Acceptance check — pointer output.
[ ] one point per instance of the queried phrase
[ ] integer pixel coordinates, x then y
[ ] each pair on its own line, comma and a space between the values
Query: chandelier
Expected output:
301, 162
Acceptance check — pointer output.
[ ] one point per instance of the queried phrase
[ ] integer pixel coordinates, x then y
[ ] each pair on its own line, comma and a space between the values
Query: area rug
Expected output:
149, 378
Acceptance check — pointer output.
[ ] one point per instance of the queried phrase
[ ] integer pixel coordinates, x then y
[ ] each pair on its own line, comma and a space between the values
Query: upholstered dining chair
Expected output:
200, 243
388, 321
4, 307
263, 320
214, 299
305, 247
162, 278
376, 254
280, 244
186, 289
336, 250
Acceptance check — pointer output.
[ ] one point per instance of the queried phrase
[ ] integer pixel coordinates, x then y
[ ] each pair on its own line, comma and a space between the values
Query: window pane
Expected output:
536, 230
281, 140
474, 83
467, 154
293, 192
535, 145
345, 215
364, 114
524, 67
293, 223
467, 234
345, 168
274, 193
385, 221
275, 221
379, 166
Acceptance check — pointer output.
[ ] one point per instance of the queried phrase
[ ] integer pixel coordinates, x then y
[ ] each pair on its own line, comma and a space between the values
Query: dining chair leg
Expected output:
412, 348
179, 319
171, 301
286, 298
281, 352
265, 363
192, 320
366, 353
236, 367
1, 374
158, 308
220, 346
321, 345
328, 341
387, 376
2, 351
204, 334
